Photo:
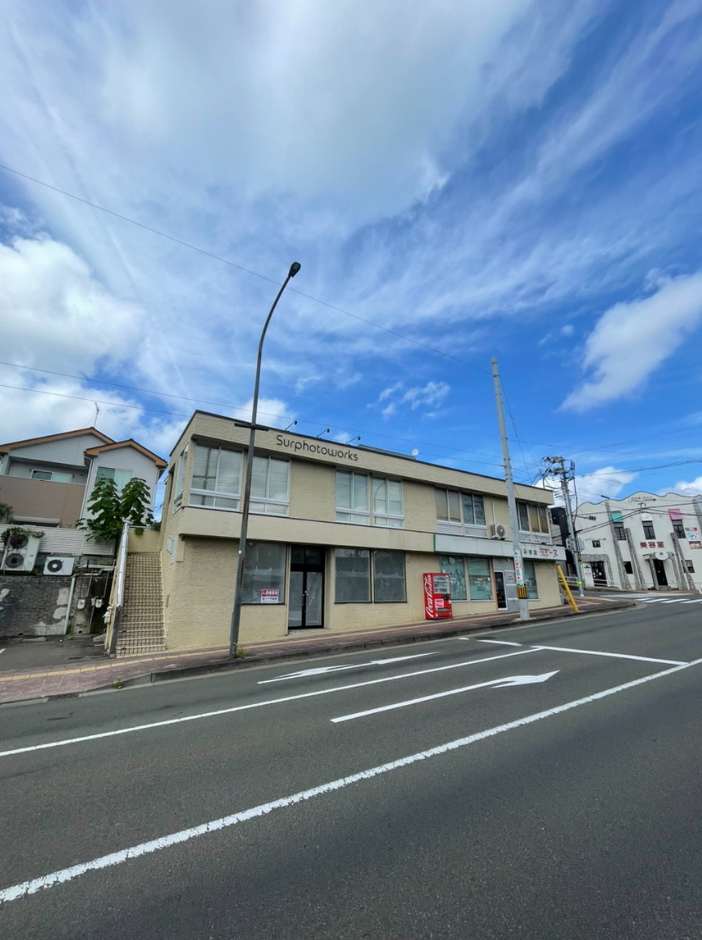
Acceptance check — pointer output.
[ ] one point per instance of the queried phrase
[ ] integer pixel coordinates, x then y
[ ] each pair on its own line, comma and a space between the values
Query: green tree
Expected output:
110, 509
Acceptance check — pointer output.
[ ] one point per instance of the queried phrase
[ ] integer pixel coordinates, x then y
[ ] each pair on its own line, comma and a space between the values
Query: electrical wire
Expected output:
240, 267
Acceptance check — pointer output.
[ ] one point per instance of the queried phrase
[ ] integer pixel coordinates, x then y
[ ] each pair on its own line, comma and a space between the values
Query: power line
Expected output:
179, 414
239, 267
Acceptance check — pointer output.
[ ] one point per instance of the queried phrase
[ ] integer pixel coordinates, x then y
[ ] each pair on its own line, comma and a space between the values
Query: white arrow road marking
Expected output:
263, 704
323, 670
495, 683
185, 835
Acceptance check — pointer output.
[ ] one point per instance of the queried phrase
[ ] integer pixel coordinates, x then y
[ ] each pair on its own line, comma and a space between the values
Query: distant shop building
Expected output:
643, 542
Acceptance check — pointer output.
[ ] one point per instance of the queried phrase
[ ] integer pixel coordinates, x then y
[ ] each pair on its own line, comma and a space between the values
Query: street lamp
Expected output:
236, 612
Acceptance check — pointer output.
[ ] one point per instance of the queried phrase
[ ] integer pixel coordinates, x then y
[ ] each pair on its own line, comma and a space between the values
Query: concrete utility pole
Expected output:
511, 502
558, 467
241, 564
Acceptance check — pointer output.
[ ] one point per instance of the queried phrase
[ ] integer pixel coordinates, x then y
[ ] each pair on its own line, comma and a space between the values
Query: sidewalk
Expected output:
59, 681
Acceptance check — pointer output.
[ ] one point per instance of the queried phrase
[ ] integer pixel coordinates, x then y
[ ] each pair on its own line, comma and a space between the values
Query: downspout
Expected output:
68, 608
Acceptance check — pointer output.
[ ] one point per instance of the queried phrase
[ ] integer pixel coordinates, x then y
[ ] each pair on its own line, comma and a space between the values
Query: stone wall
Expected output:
32, 605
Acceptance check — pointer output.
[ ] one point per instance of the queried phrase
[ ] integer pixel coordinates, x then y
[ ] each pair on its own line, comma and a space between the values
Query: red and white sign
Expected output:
269, 596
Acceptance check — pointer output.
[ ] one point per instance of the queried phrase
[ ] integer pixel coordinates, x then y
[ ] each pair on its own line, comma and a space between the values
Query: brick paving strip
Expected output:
58, 681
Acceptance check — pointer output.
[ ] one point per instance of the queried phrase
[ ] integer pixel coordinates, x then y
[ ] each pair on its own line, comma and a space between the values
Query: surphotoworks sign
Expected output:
324, 450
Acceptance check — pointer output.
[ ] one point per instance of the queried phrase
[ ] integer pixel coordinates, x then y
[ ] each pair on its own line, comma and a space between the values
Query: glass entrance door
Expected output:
500, 592
306, 607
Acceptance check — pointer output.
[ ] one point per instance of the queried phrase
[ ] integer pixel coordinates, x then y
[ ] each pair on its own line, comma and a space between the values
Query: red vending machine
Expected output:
437, 596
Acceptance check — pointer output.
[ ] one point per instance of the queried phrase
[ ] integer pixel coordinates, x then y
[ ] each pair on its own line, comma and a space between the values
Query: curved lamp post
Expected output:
236, 612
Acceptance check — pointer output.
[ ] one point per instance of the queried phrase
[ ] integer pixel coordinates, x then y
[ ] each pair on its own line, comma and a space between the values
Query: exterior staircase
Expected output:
141, 623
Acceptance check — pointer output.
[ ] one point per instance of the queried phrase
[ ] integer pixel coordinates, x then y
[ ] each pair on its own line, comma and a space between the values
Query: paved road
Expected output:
542, 782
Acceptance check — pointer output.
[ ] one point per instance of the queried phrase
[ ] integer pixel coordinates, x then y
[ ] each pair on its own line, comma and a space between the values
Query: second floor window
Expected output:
678, 529
179, 479
365, 500
216, 477
270, 486
532, 518
648, 530
52, 476
121, 477
456, 508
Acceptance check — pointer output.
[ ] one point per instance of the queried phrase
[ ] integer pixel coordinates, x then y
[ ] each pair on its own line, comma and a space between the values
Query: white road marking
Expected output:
643, 659
325, 670
241, 708
501, 642
175, 838
697, 601
495, 683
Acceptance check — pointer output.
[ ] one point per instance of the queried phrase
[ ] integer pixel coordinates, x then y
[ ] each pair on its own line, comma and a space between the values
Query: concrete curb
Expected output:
457, 628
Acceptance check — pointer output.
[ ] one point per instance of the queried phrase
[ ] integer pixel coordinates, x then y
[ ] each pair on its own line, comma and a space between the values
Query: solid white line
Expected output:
501, 642
175, 838
241, 708
429, 698
643, 659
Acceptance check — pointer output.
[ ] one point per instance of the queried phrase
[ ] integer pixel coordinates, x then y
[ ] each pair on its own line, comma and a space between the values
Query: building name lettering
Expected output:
307, 447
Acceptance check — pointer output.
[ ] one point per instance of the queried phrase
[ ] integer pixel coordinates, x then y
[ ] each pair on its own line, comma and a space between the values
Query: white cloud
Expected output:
433, 393
632, 340
54, 314
693, 488
591, 487
270, 411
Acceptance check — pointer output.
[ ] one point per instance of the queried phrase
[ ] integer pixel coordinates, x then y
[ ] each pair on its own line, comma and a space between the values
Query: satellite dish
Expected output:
415, 452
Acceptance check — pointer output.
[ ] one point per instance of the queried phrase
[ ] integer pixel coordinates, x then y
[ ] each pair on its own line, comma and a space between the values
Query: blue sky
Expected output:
506, 178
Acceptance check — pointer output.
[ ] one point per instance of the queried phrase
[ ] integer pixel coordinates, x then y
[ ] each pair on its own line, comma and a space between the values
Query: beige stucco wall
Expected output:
148, 541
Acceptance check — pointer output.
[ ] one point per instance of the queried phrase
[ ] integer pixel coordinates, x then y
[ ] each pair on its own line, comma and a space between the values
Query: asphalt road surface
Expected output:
541, 782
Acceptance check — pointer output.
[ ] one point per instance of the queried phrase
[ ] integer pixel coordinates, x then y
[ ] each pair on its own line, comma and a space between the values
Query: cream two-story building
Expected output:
340, 536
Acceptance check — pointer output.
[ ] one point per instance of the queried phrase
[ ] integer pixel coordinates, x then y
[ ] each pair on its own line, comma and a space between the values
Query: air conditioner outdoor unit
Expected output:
498, 532
21, 555
59, 565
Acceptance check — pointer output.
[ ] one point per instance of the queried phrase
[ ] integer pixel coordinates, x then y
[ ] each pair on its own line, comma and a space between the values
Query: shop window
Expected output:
353, 576
648, 530
388, 577
387, 503
678, 528
479, 579
216, 478
264, 571
121, 477
530, 580
352, 504
270, 486
454, 567
52, 476
628, 567
352, 584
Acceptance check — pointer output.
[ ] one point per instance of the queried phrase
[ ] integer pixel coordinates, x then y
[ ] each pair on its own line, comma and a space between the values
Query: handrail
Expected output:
118, 591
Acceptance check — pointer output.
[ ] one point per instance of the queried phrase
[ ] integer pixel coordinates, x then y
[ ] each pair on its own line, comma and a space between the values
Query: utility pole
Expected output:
558, 467
511, 502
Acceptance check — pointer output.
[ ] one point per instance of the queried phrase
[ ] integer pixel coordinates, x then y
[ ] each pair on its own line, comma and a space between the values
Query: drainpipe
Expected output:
68, 607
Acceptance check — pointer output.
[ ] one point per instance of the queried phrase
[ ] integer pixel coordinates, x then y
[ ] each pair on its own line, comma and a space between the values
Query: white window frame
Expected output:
272, 507
179, 480
115, 471
387, 519
215, 493
359, 516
